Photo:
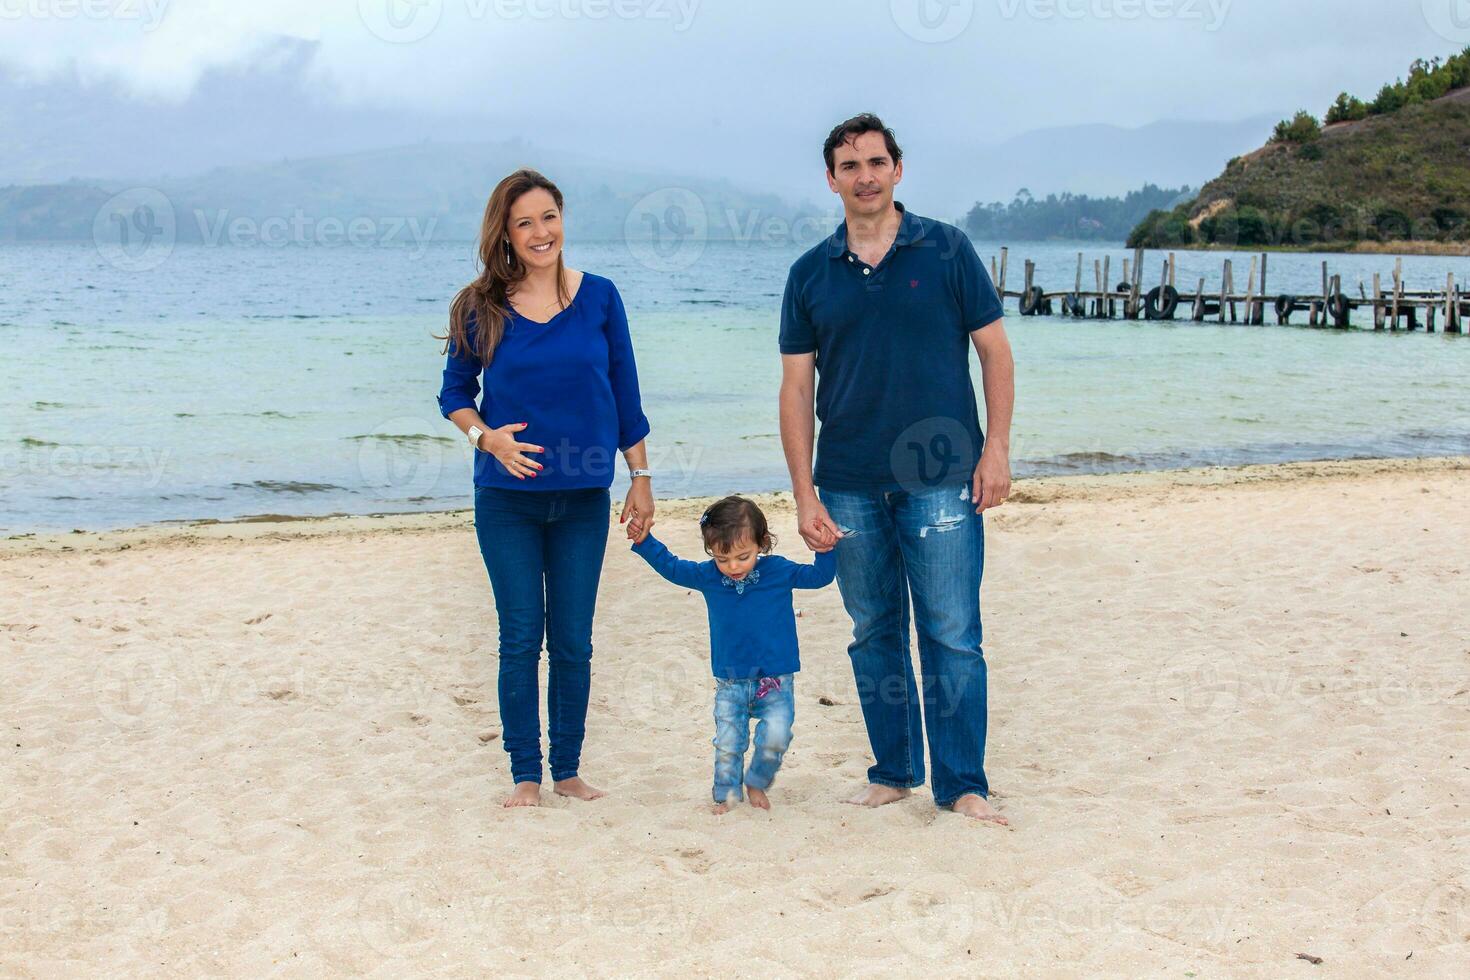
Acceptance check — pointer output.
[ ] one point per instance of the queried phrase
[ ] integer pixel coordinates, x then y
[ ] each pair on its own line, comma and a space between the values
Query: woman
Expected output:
561, 396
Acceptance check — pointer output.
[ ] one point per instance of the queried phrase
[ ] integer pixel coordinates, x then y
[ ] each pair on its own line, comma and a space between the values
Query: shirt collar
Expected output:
910, 230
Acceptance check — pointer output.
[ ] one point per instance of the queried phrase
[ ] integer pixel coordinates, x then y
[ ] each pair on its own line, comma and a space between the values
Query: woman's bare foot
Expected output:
757, 798
576, 788
525, 794
978, 807
720, 808
875, 794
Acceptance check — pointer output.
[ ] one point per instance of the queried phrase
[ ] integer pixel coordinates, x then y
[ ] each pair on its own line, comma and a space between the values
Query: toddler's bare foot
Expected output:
757, 798
525, 794
875, 794
720, 808
576, 788
978, 807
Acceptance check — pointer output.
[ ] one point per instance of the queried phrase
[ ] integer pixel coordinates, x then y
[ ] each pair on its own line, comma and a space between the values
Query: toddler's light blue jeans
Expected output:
736, 703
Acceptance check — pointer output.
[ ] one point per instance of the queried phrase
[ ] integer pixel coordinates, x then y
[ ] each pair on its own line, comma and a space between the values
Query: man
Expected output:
878, 319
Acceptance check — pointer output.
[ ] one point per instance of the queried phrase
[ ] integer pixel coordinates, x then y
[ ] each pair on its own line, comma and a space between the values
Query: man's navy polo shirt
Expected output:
892, 345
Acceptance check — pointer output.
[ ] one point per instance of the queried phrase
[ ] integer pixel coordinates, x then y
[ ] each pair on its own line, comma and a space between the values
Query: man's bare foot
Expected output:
875, 794
576, 788
525, 794
720, 808
757, 798
976, 806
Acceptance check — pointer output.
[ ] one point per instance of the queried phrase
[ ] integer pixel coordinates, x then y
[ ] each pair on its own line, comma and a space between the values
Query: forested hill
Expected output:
1396, 169
1067, 216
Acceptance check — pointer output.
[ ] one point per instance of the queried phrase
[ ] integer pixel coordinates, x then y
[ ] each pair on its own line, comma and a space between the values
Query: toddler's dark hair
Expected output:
729, 520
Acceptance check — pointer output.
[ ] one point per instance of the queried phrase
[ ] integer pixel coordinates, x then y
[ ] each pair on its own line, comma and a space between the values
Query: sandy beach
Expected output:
1230, 724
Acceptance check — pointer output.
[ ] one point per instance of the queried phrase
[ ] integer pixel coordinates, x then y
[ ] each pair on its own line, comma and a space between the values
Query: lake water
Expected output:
229, 381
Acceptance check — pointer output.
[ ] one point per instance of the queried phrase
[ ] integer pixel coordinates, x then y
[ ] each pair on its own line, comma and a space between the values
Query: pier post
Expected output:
1108, 286
1137, 283
1005, 255
1398, 290
1451, 306
1379, 313
1250, 294
1264, 294
1225, 285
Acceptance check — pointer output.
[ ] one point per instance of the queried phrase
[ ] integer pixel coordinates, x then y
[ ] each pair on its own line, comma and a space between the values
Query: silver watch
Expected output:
635, 474
473, 433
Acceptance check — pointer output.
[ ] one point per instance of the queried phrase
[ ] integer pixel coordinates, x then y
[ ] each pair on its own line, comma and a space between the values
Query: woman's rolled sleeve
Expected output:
461, 383
633, 425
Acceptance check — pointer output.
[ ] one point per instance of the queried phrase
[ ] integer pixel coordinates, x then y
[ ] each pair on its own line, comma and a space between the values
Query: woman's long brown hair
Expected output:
487, 297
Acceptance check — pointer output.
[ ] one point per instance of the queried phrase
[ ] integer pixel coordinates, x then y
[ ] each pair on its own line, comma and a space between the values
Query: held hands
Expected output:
501, 443
638, 509
992, 482
816, 526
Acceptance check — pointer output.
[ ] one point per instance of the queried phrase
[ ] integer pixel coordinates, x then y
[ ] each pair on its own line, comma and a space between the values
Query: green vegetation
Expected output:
1400, 172
1067, 216
1428, 80
1302, 128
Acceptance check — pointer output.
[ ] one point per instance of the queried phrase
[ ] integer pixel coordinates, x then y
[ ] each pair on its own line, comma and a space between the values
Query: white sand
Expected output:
1229, 720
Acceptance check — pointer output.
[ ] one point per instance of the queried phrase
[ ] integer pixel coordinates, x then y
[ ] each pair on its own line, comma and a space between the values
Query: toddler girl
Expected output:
752, 628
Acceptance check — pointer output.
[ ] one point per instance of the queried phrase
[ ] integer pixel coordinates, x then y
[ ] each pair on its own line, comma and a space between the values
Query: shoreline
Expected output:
1025, 492
1400, 247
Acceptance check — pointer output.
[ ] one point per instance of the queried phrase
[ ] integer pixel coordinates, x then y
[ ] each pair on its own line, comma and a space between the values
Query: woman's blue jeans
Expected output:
543, 550
929, 544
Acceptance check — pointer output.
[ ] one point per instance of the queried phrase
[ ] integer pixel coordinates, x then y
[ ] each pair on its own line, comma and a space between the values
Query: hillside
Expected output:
1067, 217
1400, 175
433, 190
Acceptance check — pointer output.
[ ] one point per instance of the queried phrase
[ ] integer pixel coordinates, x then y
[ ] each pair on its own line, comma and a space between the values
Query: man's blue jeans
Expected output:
930, 543
736, 703
543, 551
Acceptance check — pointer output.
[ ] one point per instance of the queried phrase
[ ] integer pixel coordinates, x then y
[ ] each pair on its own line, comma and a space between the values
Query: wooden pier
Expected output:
1393, 306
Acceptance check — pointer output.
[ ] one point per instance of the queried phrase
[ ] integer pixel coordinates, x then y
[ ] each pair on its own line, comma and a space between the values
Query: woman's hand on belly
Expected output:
512, 454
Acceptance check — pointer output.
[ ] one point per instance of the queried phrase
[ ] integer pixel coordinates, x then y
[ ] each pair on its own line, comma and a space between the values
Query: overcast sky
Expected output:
752, 84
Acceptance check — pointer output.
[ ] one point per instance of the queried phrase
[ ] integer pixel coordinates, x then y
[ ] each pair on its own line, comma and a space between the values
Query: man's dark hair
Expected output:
851, 129
732, 519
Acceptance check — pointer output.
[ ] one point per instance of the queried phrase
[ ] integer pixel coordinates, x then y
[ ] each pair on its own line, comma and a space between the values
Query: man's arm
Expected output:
798, 429
992, 482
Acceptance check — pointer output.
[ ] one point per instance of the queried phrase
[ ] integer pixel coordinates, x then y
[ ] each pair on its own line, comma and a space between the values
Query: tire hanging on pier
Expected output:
1339, 309
1286, 305
1161, 303
1073, 305
1031, 301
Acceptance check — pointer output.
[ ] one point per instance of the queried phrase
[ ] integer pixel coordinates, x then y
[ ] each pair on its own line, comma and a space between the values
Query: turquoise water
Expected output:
231, 381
